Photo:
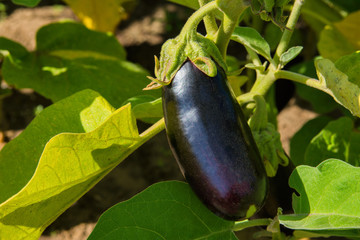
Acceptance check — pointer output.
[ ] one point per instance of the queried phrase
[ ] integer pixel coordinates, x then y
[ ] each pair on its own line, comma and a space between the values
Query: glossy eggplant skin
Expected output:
212, 143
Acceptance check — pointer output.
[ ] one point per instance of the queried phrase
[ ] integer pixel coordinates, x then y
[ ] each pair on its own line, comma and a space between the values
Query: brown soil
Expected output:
153, 162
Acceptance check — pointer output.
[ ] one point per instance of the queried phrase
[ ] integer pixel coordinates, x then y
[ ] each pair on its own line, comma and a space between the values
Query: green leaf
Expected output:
70, 58
72, 40
193, 4
250, 38
11, 48
340, 38
27, 3
302, 138
328, 200
290, 54
100, 15
70, 165
337, 84
332, 44
146, 108
166, 210
329, 13
79, 113
331, 142
350, 65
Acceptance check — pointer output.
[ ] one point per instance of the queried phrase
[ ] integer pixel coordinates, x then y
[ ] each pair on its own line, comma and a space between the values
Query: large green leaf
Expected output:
70, 165
70, 58
166, 210
252, 39
79, 113
328, 201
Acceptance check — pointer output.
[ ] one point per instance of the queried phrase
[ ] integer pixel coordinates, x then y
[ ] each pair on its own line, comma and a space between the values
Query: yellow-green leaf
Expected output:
340, 38
102, 15
70, 165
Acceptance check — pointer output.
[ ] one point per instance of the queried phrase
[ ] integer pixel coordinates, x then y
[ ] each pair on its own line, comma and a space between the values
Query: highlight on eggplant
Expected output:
212, 143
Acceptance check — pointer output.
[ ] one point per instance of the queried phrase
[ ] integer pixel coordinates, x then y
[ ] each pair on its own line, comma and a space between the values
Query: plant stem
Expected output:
197, 16
224, 34
153, 130
251, 223
290, 25
296, 77
209, 21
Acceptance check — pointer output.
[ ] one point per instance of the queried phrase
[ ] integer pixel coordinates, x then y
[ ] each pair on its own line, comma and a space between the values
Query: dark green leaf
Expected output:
27, 3
194, 4
166, 210
320, 101
331, 142
302, 138
70, 58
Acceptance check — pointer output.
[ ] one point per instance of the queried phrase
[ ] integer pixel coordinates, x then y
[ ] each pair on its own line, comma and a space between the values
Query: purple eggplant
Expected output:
213, 144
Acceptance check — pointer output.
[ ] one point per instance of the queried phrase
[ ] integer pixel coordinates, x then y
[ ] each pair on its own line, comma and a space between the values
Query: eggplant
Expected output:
212, 143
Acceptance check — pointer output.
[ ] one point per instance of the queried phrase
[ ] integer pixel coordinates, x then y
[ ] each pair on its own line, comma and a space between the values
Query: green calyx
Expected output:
270, 10
187, 46
267, 138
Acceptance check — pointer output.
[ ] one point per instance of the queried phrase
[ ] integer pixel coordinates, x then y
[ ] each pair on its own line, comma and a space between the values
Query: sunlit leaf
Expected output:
69, 166
102, 15
340, 38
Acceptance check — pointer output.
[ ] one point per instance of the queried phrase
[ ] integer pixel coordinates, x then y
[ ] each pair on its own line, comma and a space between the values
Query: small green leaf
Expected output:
249, 37
302, 138
27, 3
70, 165
289, 55
166, 210
337, 84
331, 142
328, 201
